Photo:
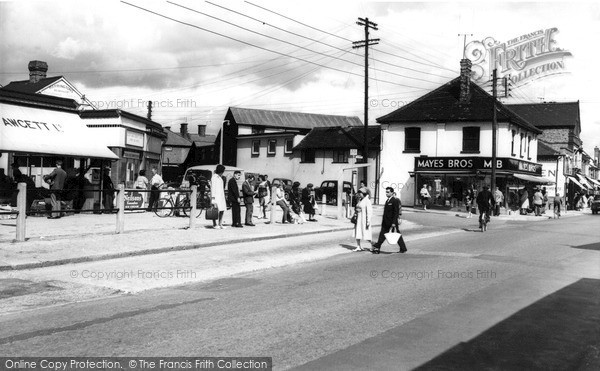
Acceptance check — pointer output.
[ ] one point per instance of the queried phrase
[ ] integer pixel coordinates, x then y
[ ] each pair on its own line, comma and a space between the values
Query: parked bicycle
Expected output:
179, 204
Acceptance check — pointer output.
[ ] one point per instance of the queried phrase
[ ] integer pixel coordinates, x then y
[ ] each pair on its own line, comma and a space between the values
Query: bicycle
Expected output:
484, 219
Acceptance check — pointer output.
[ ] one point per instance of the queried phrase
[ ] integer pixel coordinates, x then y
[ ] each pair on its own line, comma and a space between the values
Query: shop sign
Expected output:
133, 200
475, 163
133, 138
132, 155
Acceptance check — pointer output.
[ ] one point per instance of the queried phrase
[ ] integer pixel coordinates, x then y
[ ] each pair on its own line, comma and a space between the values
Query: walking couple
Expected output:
391, 220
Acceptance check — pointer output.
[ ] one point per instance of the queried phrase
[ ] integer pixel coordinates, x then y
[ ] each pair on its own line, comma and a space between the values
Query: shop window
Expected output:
272, 147
340, 156
512, 144
412, 140
307, 156
288, 145
470, 140
255, 148
528, 148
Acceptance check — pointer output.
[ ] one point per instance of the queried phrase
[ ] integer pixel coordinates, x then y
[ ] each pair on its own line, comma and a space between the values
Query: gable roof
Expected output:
25, 86
544, 115
35, 100
202, 140
443, 105
340, 138
176, 140
288, 120
545, 150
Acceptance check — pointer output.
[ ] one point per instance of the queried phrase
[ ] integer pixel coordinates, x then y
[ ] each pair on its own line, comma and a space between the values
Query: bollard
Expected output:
22, 209
193, 202
121, 206
340, 197
323, 204
273, 204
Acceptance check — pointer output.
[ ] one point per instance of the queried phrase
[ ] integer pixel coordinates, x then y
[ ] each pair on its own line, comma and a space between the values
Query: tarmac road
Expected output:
520, 295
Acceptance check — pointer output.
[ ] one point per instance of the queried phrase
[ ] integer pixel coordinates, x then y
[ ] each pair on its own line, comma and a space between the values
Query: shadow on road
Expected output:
559, 332
590, 246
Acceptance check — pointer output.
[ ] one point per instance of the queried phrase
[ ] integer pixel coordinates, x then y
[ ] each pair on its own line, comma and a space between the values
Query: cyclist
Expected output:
485, 203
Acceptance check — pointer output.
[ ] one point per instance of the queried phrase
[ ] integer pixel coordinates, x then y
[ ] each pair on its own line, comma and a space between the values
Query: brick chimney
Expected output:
37, 71
183, 130
202, 130
465, 80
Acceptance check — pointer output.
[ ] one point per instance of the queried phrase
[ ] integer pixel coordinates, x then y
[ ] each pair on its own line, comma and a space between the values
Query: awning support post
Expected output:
121, 208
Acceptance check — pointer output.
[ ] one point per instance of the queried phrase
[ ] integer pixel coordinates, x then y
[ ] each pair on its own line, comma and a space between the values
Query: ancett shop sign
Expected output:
522, 58
424, 164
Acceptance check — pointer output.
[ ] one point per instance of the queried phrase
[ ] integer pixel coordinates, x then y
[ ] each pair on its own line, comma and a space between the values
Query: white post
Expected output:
323, 204
22, 209
273, 204
121, 207
340, 197
193, 202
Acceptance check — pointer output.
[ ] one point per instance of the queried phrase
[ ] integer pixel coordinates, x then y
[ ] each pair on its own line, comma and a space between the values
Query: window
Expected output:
258, 130
272, 147
521, 145
255, 148
307, 155
512, 144
340, 156
412, 140
288, 145
528, 147
470, 140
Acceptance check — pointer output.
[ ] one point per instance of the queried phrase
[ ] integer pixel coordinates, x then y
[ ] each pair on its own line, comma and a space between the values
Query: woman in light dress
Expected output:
217, 188
364, 213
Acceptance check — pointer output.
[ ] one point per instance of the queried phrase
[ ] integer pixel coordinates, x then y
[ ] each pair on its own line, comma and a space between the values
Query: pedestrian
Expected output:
524, 201
108, 191
264, 195
248, 193
470, 198
364, 213
363, 184
499, 200
544, 200
156, 182
233, 196
557, 204
485, 203
217, 187
391, 220
56, 179
538, 199
308, 202
141, 182
296, 204
424, 193
280, 200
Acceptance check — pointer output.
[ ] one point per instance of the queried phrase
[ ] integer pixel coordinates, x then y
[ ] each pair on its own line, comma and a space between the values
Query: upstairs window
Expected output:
307, 156
412, 140
289, 144
272, 147
340, 156
512, 144
255, 148
471, 139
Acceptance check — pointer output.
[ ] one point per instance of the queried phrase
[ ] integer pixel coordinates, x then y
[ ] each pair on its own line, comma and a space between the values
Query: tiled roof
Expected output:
31, 99
174, 139
546, 150
26, 87
288, 120
340, 138
203, 141
443, 105
549, 114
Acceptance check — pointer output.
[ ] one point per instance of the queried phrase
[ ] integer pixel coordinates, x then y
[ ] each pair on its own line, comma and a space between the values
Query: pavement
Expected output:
92, 237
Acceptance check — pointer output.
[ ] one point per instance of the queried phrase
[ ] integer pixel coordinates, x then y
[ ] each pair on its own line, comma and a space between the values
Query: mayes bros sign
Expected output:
523, 58
476, 163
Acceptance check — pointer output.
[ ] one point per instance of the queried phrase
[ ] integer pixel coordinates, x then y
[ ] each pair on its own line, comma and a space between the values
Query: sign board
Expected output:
476, 163
133, 200
353, 152
133, 138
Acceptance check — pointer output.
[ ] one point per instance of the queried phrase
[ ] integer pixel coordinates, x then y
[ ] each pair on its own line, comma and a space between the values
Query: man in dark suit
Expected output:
233, 196
248, 192
391, 212
57, 181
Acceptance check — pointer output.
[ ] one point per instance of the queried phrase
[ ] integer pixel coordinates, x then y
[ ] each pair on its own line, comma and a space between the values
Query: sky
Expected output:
194, 59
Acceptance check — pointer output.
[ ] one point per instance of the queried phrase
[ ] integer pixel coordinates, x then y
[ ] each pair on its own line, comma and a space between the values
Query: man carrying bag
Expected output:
391, 219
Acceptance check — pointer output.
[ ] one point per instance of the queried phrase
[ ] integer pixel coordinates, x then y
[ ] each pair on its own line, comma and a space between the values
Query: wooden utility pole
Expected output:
494, 129
360, 44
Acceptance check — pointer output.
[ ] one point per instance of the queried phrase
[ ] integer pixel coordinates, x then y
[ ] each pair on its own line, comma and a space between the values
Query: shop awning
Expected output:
583, 180
574, 180
533, 178
43, 131
594, 181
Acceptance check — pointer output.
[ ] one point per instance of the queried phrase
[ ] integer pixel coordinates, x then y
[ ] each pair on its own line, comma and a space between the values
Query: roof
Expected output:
203, 141
38, 100
176, 140
544, 115
340, 138
443, 105
288, 120
25, 86
546, 150
115, 113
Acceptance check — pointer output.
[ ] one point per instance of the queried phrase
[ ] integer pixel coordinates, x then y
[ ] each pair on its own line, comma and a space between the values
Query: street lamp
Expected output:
225, 122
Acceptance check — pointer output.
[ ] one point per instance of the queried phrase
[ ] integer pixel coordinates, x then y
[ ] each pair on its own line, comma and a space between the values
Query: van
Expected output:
202, 174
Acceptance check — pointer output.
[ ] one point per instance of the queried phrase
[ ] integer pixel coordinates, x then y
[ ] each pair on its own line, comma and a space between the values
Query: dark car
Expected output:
596, 204
287, 185
329, 189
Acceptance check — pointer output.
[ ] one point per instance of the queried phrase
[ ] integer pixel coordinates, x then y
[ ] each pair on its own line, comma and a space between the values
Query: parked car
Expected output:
596, 204
329, 188
287, 185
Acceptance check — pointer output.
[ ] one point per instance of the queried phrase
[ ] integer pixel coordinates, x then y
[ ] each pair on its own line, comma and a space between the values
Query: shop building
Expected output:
443, 140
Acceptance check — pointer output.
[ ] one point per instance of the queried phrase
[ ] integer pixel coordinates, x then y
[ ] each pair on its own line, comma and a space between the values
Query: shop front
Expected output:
447, 179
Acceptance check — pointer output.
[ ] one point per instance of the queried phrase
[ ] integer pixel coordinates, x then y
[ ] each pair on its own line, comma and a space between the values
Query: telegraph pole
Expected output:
494, 129
360, 44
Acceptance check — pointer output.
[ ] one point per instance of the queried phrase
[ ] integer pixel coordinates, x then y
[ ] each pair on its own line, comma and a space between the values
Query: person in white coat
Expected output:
364, 216
218, 194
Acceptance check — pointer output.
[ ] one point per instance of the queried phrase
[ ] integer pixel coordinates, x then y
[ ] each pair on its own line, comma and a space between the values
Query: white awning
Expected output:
533, 179
572, 179
594, 181
43, 131
583, 180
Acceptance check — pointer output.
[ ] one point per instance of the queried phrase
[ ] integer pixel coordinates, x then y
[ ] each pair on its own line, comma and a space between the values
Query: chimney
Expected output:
465, 80
37, 71
597, 155
202, 130
183, 130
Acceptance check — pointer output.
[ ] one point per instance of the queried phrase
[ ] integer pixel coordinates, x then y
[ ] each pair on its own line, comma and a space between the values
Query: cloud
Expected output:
71, 48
